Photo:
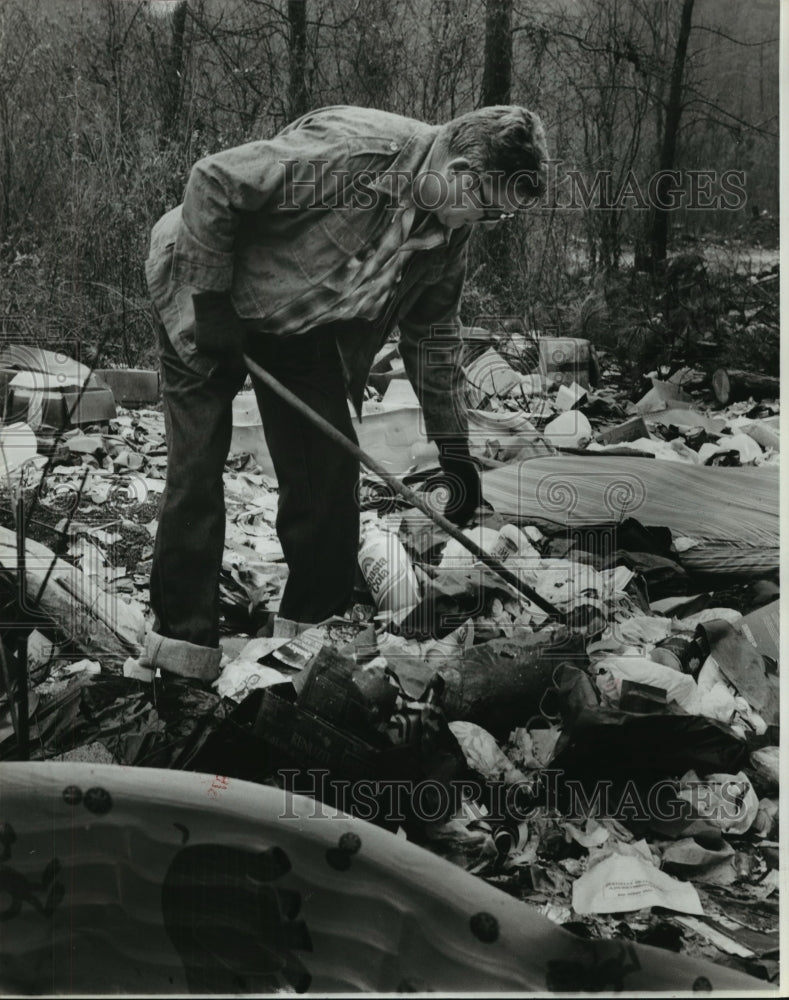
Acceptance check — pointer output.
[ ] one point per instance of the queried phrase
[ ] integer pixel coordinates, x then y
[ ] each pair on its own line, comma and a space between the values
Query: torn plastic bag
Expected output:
767, 765
679, 687
141, 724
483, 753
678, 608
456, 557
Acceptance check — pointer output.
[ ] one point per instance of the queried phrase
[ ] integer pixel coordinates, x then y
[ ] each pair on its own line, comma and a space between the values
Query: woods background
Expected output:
106, 104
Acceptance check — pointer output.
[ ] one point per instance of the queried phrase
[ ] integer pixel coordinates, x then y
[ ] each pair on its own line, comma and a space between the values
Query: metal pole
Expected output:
400, 488
23, 717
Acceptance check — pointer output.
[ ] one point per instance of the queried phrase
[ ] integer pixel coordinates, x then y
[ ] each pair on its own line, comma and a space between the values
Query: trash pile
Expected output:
615, 765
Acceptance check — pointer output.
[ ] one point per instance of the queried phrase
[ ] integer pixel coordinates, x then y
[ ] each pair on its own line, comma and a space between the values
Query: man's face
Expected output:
472, 198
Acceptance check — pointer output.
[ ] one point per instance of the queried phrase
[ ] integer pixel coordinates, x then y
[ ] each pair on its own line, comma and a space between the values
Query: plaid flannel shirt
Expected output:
316, 226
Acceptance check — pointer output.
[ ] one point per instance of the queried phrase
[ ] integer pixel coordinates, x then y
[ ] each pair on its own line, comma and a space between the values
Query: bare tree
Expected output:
497, 72
658, 235
297, 82
174, 71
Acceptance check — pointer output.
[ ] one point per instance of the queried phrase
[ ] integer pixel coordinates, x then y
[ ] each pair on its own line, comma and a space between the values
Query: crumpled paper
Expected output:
482, 752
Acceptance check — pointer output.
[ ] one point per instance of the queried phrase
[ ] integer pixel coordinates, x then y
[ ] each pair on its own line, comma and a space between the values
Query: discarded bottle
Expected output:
387, 569
512, 541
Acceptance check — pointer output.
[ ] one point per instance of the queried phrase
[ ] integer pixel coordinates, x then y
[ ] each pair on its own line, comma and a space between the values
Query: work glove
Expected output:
218, 330
460, 478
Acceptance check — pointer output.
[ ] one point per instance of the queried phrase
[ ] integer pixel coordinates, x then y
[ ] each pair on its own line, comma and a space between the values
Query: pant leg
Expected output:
318, 515
189, 543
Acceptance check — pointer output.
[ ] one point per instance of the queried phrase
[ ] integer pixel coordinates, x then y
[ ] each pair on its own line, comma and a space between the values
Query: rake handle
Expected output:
401, 489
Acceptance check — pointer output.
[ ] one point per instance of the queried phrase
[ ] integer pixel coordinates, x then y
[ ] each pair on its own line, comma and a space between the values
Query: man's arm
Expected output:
430, 347
220, 188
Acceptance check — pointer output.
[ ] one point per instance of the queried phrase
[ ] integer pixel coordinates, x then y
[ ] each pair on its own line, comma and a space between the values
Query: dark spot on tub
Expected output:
485, 927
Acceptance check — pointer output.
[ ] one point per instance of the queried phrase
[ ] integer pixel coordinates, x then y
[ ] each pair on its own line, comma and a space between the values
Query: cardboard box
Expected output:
311, 742
130, 386
59, 409
42, 387
566, 360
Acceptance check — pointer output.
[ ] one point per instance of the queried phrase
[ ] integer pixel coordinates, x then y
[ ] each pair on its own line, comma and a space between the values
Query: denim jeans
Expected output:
317, 518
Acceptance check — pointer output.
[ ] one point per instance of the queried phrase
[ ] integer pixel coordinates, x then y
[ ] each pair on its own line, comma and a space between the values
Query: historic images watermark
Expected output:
430, 800
316, 184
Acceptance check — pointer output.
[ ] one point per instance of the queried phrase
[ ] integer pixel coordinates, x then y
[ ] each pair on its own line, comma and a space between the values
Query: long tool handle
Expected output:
404, 491
22, 694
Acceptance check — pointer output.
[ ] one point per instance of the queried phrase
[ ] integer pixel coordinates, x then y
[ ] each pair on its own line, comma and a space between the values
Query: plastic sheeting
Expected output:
723, 504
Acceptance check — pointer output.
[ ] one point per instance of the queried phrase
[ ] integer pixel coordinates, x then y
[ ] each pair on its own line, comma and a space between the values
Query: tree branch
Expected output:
728, 114
730, 38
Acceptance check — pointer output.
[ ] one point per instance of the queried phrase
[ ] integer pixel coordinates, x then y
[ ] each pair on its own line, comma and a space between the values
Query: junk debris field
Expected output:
633, 743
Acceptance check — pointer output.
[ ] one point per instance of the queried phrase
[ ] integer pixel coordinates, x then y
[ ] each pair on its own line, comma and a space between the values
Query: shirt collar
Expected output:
396, 182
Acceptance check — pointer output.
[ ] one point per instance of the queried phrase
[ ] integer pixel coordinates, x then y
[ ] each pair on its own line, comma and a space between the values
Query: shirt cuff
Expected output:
196, 264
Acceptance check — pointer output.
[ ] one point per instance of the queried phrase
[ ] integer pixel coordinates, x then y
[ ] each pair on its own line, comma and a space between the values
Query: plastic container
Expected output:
132, 880
570, 429
388, 572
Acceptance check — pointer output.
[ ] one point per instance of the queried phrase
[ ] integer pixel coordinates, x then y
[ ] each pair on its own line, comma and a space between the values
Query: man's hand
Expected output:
218, 331
460, 478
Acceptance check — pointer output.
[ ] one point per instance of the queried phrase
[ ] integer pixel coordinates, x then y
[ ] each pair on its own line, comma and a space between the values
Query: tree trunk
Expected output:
497, 73
658, 235
6, 169
297, 84
732, 386
174, 68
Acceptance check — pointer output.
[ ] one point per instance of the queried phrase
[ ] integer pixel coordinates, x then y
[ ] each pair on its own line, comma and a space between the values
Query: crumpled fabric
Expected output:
643, 629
